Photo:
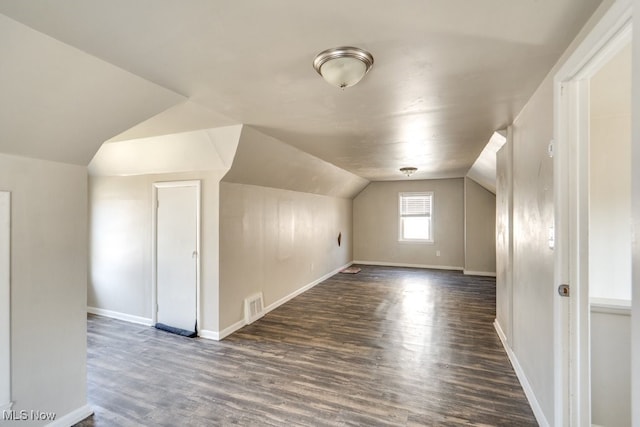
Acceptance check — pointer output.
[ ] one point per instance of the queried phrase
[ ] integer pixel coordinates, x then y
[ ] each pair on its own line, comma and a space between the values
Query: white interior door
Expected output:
177, 254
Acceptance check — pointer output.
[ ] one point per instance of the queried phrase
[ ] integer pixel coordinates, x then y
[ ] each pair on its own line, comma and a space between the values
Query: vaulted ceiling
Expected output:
447, 74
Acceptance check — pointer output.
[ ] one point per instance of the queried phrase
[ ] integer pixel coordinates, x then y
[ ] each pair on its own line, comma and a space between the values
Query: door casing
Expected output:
571, 164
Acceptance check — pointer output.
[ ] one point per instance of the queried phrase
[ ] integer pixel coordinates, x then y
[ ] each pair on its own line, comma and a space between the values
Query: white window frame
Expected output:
401, 237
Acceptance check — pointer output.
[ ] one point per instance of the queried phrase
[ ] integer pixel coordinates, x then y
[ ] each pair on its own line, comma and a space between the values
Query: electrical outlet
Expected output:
437, 253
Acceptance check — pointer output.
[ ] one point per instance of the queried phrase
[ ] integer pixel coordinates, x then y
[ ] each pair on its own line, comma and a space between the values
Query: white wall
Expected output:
120, 244
610, 180
5, 306
610, 366
375, 219
479, 229
276, 242
48, 285
532, 260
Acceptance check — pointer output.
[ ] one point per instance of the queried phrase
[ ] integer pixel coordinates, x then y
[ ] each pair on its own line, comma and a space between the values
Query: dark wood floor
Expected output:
385, 347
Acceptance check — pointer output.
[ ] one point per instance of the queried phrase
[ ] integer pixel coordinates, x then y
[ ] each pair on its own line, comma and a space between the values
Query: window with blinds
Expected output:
416, 217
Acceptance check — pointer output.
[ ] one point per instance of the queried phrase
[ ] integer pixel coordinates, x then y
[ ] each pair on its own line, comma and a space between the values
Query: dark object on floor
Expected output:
177, 331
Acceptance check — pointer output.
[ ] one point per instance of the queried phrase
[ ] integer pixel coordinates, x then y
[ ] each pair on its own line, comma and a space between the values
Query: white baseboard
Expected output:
304, 289
208, 335
231, 329
120, 316
401, 264
217, 336
524, 382
72, 417
479, 273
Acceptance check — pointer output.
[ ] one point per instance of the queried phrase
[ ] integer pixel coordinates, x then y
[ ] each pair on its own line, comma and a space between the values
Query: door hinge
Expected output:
563, 290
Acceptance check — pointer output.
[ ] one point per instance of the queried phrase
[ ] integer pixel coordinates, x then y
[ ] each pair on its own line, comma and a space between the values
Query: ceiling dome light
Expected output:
343, 66
408, 170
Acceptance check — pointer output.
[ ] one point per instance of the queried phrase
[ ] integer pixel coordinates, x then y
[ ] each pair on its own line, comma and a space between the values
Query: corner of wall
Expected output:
522, 377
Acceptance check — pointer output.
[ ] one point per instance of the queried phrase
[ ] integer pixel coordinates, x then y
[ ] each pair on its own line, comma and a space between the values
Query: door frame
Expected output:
571, 160
154, 245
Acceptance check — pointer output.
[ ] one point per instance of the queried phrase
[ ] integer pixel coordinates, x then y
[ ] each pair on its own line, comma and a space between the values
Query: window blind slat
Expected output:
416, 205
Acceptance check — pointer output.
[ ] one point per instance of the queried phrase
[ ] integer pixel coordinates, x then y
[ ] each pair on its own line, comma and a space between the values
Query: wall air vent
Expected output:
253, 308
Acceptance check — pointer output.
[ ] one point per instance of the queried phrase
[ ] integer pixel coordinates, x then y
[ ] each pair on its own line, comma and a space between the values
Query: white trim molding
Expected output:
524, 382
305, 288
402, 264
610, 306
212, 335
72, 417
217, 336
209, 335
120, 316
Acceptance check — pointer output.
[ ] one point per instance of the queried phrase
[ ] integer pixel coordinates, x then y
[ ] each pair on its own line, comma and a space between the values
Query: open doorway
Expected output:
593, 251
610, 241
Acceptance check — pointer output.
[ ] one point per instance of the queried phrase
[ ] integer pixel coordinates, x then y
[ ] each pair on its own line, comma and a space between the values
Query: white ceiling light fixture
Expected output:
343, 66
409, 170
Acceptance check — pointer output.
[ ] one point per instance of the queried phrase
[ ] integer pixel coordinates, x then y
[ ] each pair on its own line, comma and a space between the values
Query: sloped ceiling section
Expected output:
207, 149
183, 117
483, 170
61, 104
265, 161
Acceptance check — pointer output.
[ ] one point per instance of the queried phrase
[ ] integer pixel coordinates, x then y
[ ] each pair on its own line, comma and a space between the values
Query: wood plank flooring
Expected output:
385, 347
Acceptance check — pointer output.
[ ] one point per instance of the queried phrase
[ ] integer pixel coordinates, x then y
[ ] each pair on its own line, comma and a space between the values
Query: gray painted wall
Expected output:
120, 243
504, 241
277, 241
610, 365
610, 179
375, 219
479, 229
48, 284
532, 260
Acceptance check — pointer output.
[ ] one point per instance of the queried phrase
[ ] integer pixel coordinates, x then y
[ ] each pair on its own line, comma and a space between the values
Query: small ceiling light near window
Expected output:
343, 66
408, 170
